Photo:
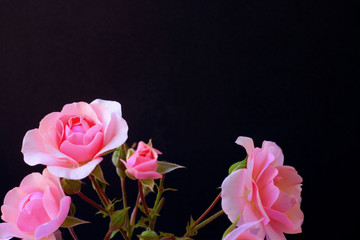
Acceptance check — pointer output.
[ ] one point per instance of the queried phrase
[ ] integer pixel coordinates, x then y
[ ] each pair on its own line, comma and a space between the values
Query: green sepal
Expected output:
114, 233
238, 165
148, 185
231, 227
72, 210
72, 222
98, 174
70, 187
118, 219
166, 167
129, 152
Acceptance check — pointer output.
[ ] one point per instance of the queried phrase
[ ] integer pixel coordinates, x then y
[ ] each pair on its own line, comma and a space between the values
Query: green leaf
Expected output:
72, 222
238, 165
118, 219
166, 167
97, 172
231, 227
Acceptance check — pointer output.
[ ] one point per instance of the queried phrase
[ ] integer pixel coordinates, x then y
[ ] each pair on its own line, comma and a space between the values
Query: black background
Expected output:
193, 76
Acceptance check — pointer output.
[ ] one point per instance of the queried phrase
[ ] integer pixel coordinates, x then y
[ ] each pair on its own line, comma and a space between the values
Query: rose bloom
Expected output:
246, 231
142, 164
264, 190
72, 141
35, 209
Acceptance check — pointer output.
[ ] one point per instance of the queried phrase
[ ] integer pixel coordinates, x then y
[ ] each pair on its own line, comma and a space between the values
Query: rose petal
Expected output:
14, 196
247, 143
34, 150
8, 231
80, 109
234, 194
115, 134
33, 216
111, 106
150, 165
82, 153
91, 133
51, 204
75, 173
51, 226
276, 151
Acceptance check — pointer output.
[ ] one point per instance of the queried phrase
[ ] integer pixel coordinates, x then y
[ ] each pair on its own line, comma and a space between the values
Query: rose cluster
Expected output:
260, 196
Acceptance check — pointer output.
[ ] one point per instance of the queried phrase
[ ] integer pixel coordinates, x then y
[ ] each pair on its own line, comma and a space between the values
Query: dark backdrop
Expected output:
193, 76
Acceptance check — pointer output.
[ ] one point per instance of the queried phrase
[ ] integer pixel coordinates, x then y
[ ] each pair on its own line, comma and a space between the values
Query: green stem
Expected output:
188, 233
208, 220
143, 198
158, 203
134, 212
103, 197
73, 234
91, 202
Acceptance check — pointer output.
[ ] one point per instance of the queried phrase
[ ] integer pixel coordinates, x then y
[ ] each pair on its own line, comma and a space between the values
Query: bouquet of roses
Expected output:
260, 196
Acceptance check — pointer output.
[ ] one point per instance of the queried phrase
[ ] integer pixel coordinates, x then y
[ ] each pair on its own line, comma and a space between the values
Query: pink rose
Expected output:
36, 209
246, 231
143, 162
72, 141
264, 190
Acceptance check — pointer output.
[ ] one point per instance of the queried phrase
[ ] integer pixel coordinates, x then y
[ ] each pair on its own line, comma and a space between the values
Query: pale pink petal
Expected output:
145, 175
247, 143
35, 151
76, 138
284, 202
82, 109
268, 191
141, 175
9, 213
91, 133
296, 216
50, 203
33, 216
245, 232
82, 153
259, 205
234, 194
57, 192
75, 173
34, 179
14, 197
111, 106
279, 217
273, 233
103, 115
150, 165
276, 151
115, 134
262, 159
51, 226
9, 230
289, 182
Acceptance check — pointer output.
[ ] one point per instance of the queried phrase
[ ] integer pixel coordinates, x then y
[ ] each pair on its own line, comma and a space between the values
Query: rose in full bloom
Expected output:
264, 190
142, 164
246, 231
35, 209
72, 141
